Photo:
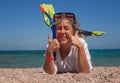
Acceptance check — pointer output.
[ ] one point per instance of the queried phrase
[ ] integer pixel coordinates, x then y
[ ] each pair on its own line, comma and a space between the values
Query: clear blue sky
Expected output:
22, 26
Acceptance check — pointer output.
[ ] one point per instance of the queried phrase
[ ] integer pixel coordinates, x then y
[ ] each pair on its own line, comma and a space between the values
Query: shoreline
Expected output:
35, 75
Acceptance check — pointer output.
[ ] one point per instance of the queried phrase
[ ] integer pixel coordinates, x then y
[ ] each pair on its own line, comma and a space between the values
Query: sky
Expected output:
22, 26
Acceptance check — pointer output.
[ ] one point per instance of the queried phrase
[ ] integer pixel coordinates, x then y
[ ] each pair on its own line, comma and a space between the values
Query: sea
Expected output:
36, 58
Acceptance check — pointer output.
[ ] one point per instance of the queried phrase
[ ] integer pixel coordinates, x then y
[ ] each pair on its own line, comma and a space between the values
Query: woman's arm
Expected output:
49, 65
83, 65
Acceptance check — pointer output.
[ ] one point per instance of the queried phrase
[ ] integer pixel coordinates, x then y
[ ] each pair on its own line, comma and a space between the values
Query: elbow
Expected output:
47, 71
84, 70
51, 73
88, 70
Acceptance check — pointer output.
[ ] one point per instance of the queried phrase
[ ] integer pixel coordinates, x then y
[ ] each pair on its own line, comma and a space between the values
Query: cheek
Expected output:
57, 33
70, 33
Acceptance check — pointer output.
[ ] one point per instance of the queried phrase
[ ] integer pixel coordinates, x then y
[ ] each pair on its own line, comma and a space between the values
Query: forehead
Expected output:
63, 22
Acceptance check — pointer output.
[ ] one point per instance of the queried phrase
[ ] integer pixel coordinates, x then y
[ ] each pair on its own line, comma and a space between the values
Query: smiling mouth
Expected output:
62, 38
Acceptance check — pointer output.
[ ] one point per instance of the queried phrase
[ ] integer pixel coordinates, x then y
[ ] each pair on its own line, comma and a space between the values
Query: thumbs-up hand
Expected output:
53, 44
75, 41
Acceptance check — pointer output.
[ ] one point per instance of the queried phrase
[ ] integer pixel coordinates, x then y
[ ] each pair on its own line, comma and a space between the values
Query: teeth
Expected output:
62, 37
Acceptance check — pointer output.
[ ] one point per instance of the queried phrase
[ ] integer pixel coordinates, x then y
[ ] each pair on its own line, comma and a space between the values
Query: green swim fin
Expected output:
50, 10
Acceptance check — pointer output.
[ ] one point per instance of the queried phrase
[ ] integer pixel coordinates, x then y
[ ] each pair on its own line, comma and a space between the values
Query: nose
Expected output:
62, 30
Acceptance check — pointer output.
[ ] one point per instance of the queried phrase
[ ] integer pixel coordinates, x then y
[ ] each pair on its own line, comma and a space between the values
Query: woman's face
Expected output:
64, 31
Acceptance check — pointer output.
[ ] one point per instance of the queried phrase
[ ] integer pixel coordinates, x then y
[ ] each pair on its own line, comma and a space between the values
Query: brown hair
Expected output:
74, 24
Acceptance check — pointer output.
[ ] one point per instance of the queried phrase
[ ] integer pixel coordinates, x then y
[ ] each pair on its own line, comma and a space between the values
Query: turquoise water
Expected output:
35, 59
106, 57
21, 59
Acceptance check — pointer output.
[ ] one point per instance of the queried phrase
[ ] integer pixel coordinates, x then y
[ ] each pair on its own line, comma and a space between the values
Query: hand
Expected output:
53, 44
75, 41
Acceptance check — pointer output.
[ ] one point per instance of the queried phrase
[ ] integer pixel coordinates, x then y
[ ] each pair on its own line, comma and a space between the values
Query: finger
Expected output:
49, 37
76, 33
57, 42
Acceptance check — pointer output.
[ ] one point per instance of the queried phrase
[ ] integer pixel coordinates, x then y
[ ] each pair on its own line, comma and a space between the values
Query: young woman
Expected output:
72, 54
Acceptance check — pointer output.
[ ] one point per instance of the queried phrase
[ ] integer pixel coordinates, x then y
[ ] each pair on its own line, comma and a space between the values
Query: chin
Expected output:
63, 42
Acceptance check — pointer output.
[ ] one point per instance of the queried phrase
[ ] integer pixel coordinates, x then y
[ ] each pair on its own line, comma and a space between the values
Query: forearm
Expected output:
49, 64
82, 60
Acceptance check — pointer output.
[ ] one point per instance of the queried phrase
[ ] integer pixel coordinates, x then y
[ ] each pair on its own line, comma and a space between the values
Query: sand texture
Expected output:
35, 75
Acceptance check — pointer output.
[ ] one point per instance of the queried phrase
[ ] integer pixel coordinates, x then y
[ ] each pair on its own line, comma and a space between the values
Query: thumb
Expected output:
49, 37
76, 33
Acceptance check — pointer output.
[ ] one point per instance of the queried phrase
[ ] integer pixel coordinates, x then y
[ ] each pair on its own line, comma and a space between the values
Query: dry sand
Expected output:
35, 75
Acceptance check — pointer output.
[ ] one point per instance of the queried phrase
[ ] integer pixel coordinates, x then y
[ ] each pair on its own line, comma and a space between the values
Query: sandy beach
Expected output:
35, 75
